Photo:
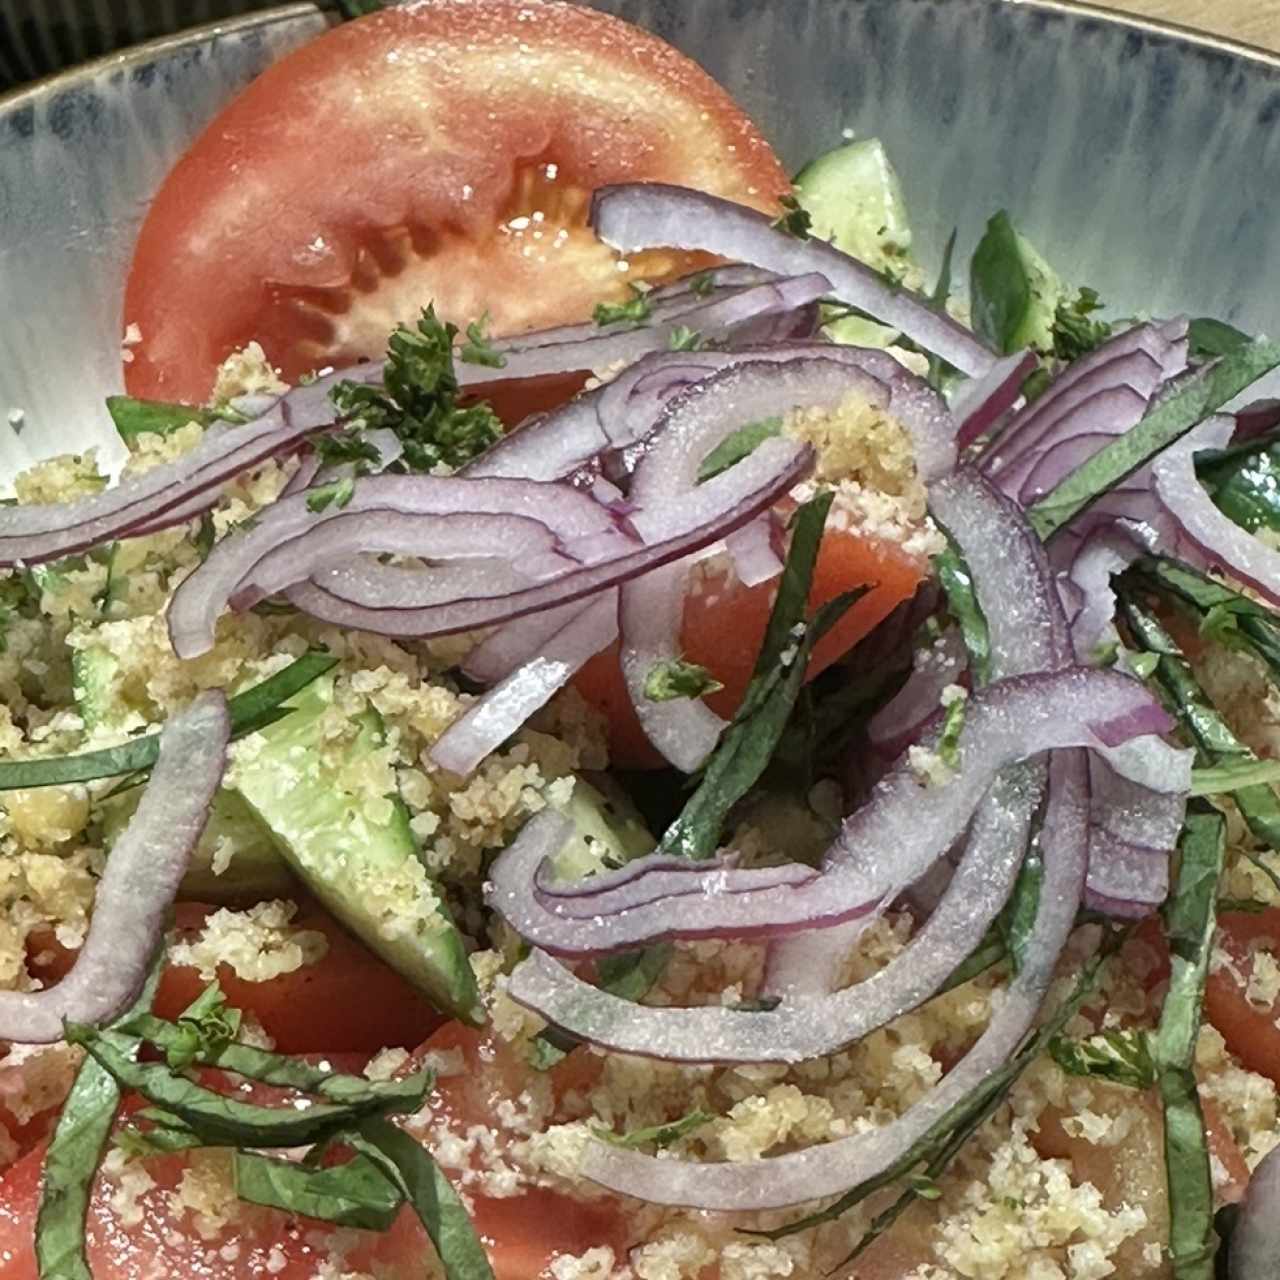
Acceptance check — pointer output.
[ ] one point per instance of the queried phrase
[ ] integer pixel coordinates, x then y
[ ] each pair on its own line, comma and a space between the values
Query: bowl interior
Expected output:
1141, 162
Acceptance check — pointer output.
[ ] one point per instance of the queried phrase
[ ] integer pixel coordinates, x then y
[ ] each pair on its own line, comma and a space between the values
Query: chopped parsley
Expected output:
635, 311
679, 679
1123, 1057
1075, 332
478, 349
420, 401
685, 339
794, 220
337, 494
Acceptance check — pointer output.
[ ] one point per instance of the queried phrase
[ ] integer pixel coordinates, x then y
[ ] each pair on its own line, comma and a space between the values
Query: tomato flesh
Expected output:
445, 151
347, 1001
725, 622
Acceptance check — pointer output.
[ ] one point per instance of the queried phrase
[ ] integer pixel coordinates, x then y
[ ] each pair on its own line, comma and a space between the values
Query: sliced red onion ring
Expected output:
139, 883
754, 551
1125, 880
642, 216
1256, 420
231, 565
1255, 1242
903, 719
488, 723
981, 402
727, 502
1102, 555
821, 1023
1218, 539
509, 646
1005, 723
830, 1168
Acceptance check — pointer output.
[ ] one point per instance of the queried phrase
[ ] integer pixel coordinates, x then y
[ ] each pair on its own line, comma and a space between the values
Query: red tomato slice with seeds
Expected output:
442, 151
725, 622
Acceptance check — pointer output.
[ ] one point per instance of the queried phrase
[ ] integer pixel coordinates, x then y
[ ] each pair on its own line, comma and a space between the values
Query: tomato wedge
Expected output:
445, 151
725, 622
348, 1001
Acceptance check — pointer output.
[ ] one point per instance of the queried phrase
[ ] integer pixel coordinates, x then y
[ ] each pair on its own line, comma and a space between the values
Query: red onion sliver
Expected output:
1255, 420
830, 1168
1005, 723
489, 722
981, 402
139, 883
754, 553
512, 644
1255, 1242
902, 720
816, 1023
656, 216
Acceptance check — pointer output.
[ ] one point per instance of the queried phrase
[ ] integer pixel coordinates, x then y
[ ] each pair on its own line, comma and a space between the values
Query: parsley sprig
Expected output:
420, 399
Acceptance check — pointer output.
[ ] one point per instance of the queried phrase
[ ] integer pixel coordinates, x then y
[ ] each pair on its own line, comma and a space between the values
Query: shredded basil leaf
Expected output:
337, 494
1123, 1057
1210, 338
679, 679
1190, 921
940, 372
133, 418
1244, 482
408, 1166
354, 1194
738, 445
659, 1135
252, 710
75, 1150
1202, 394
1017, 921
1223, 779
999, 285
794, 220
748, 744
221, 1120
962, 603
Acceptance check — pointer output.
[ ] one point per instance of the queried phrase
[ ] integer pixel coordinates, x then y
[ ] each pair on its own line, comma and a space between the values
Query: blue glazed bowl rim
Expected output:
192, 37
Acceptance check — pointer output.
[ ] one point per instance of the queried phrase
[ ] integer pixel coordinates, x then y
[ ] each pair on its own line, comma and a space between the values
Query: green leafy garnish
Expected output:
659, 1135
1240, 775
1244, 482
133, 418
338, 494
1075, 333
478, 349
1190, 920
222, 1120
794, 220
1017, 921
684, 339
354, 1194
679, 679
419, 400
999, 286
1168, 421
703, 285
748, 743
1210, 338
408, 1166
940, 372
737, 445
952, 728
1123, 1057
635, 311
75, 1150
346, 448
250, 711
205, 1028
962, 603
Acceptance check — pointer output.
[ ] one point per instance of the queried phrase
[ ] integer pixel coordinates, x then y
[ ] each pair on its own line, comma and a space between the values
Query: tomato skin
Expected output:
348, 1001
1249, 1030
724, 626
435, 150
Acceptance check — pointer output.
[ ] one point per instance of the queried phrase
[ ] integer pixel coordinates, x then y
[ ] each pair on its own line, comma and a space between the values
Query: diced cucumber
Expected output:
357, 856
608, 831
256, 869
93, 673
855, 199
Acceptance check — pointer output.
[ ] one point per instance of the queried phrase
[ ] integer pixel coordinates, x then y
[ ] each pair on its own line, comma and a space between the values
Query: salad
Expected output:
702, 755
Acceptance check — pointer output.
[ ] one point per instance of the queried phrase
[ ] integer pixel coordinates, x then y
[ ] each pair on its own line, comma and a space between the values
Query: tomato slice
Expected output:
347, 1001
725, 622
445, 151
1239, 1009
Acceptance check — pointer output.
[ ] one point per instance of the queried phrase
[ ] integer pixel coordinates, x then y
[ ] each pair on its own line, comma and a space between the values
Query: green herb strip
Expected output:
75, 1150
1017, 921
748, 743
659, 1135
410, 1169
1209, 338
1190, 921
1202, 394
227, 1121
939, 370
355, 1194
1243, 775
962, 602
133, 418
1123, 1057
252, 710
737, 446
999, 285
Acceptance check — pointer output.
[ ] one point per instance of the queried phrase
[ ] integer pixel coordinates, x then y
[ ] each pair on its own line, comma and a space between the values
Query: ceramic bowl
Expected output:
1144, 161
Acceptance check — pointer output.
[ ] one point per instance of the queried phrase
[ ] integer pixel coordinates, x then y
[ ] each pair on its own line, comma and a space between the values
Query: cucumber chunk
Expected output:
355, 853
